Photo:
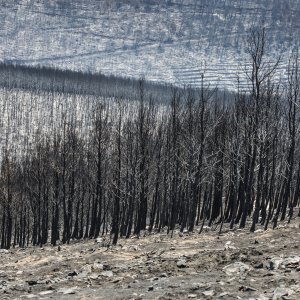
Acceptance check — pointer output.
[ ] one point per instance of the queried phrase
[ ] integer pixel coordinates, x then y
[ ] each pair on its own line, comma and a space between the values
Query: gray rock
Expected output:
229, 246
259, 266
118, 279
83, 275
222, 295
32, 282
44, 281
247, 289
181, 263
86, 269
262, 297
296, 225
134, 248
292, 261
106, 267
73, 273
295, 288
279, 293
154, 279
3, 274
102, 242
66, 291
196, 286
19, 287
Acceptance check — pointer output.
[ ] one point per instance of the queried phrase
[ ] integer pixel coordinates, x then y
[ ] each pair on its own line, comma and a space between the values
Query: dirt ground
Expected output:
233, 265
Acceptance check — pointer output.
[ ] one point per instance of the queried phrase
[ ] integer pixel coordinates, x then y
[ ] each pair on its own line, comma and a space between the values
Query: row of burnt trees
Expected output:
201, 159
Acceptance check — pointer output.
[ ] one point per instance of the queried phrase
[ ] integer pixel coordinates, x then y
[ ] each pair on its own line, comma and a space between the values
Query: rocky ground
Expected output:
233, 265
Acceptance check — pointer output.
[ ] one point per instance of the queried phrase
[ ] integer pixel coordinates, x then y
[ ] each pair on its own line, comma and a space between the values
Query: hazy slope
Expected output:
170, 41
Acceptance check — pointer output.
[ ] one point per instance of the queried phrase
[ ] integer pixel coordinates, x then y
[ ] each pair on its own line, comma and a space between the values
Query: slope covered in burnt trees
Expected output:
76, 165
47, 79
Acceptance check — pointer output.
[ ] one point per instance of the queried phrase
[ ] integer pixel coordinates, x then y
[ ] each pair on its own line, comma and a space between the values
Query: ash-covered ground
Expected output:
232, 265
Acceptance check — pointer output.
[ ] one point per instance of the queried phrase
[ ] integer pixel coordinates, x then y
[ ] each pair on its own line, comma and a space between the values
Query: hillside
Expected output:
233, 265
166, 41
116, 185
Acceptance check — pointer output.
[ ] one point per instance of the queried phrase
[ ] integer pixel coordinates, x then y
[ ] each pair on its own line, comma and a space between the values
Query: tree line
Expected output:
200, 159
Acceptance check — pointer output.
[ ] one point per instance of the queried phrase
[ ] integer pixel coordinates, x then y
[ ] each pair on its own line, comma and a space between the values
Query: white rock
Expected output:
276, 263
208, 293
94, 276
223, 295
98, 266
297, 225
236, 268
295, 288
262, 297
228, 247
292, 260
86, 269
107, 274
98, 240
45, 293
134, 248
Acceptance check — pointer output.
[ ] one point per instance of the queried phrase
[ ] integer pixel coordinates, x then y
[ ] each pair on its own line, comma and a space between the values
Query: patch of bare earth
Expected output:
233, 265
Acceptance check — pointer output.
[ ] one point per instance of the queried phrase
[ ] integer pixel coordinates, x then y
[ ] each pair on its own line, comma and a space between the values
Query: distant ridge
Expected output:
164, 41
